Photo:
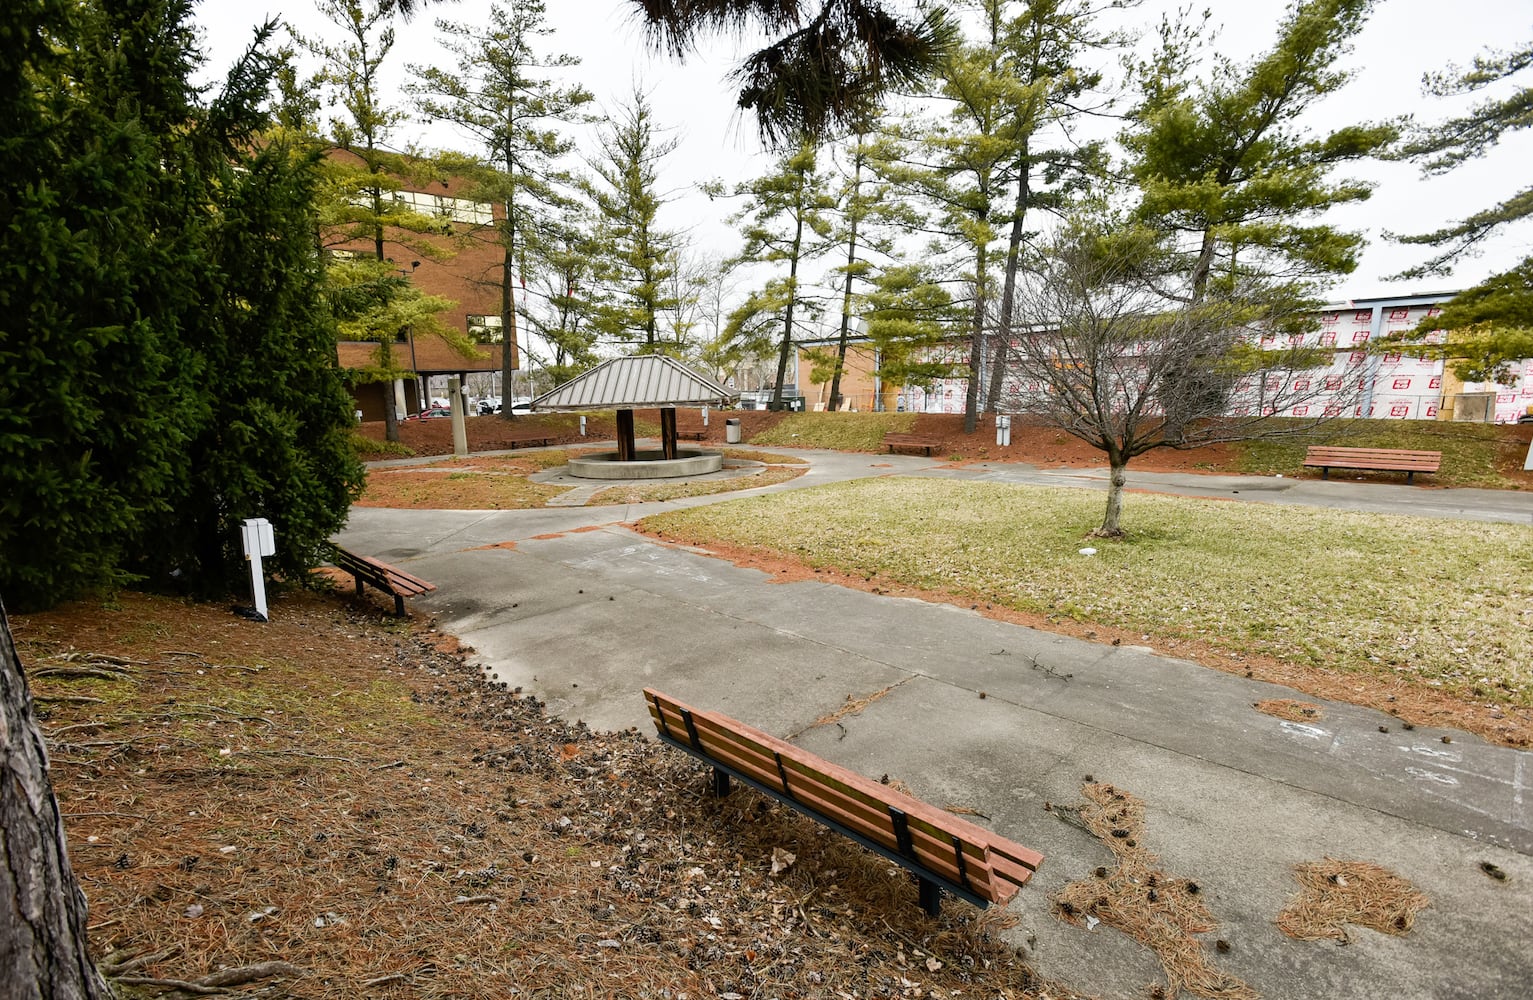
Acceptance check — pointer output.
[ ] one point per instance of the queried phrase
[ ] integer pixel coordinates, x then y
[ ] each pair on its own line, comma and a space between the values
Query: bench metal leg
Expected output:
720, 783
399, 606
1325, 472
931, 897
1409, 476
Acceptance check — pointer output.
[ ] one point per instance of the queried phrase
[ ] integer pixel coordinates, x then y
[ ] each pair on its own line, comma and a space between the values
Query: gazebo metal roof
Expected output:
639, 382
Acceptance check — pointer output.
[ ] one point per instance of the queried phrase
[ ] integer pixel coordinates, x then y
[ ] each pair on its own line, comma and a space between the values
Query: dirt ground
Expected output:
335, 804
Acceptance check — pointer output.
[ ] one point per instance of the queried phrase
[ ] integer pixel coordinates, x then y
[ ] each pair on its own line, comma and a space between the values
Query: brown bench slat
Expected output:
993, 868
933, 847
895, 440
848, 790
399, 578
527, 439
390, 579
1326, 457
931, 854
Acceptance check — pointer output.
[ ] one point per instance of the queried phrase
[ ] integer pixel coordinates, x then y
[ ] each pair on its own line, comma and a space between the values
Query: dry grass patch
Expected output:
1445, 605
1290, 709
1335, 893
1160, 911
649, 491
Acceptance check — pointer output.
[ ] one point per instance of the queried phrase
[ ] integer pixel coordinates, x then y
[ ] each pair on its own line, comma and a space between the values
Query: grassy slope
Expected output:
1443, 603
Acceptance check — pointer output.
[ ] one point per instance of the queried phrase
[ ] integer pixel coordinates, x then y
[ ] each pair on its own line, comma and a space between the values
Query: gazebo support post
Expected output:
668, 431
626, 451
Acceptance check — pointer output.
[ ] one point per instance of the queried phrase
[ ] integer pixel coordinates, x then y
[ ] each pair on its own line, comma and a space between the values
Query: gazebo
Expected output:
644, 381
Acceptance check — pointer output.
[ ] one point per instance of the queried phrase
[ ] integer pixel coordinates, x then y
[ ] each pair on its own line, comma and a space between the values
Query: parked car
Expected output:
488, 405
431, 413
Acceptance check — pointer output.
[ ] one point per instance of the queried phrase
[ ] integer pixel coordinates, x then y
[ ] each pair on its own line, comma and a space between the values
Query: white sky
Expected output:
1404, 39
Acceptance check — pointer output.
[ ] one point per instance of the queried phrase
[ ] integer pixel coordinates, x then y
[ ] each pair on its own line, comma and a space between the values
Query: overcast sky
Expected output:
1404, 39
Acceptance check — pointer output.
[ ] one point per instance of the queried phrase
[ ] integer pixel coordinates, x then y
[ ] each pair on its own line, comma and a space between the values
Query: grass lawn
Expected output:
837, 431
1445, 604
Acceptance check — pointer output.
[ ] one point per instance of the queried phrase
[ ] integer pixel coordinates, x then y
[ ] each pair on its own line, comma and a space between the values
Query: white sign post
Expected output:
1003, 430
256, 534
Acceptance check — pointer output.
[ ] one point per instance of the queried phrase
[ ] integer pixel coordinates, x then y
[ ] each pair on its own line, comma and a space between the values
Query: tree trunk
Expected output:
787, 325
42, 940
1009, 284
976, 343
846, 291
508, 356
390, 411
1116, 481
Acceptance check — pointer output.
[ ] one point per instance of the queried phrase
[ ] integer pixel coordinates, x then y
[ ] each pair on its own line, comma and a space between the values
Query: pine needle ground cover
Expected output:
1383, 606
333, 805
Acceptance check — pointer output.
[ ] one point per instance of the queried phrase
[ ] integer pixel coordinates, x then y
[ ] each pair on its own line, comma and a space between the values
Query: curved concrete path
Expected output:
584, 612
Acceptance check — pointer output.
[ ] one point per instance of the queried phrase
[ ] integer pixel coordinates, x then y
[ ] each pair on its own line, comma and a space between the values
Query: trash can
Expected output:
732, 430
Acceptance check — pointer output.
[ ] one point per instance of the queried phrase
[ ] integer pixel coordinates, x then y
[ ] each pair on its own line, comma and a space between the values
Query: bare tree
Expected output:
42, 941
1101, 356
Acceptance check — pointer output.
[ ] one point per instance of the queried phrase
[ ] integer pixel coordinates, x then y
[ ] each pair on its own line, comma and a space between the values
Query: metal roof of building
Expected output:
641, 381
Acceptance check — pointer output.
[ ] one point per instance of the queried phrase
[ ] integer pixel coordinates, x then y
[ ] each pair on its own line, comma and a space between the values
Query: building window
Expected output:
484, 329
475, 213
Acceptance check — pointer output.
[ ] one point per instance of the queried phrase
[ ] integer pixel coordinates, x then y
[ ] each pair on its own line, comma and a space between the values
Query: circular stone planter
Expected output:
647, 465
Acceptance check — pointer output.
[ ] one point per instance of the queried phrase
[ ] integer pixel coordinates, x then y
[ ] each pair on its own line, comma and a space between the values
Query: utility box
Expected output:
732, 430
1002, 430
256, 534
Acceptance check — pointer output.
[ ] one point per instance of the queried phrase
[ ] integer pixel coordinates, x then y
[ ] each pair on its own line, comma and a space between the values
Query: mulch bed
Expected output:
334, 804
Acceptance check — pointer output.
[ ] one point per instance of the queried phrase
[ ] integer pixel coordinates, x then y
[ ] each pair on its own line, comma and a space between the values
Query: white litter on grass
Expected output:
1088, 551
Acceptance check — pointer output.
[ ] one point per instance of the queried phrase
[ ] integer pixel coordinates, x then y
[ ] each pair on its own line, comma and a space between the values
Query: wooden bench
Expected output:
389, 579
693, 432
1326, 458
943, 851
528, 438
911, 441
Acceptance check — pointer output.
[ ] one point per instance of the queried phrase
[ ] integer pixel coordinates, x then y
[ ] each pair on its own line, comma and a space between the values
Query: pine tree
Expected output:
358, 206
787, 224
1227, 166
636, 253
1491, 321
501, 98
832, 61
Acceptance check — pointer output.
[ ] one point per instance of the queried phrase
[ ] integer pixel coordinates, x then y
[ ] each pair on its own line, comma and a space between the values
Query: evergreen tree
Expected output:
1044, 46
959, 167
1491, 321
169, 367
104, 258
276, 441
501, 99
787, 223
636, 258
1227, 167
358, 203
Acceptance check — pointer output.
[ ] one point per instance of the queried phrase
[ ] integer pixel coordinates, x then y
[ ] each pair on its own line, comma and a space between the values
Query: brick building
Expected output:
465, 269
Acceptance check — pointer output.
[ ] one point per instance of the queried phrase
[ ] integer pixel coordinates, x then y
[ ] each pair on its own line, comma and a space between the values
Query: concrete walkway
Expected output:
584, 612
